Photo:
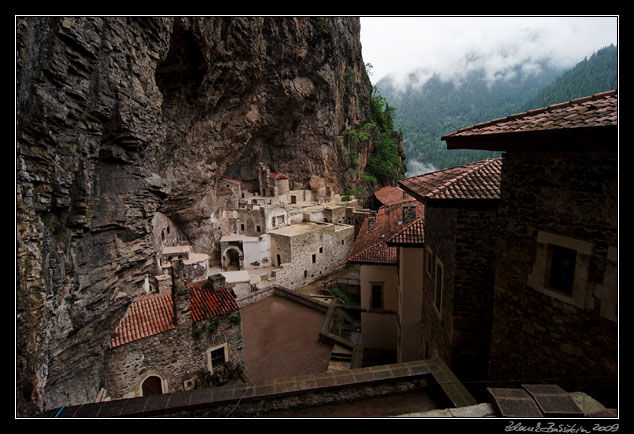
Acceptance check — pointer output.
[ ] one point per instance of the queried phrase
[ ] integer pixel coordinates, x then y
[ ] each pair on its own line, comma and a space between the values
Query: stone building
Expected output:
555, 313
228, 193
174, 340
281, 235
304, 252
381, 317
457, 263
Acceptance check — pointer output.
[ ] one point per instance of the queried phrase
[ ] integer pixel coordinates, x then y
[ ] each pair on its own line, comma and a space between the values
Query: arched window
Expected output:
152, 386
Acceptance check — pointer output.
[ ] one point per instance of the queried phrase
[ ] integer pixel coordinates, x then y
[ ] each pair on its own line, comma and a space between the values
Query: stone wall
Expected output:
263, 398
328, 244
476, 235
174, 355
535, 335
440, 233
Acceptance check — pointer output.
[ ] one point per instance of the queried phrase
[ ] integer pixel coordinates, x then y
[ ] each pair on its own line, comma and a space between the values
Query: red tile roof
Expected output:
370, 246
590, 111
379, 253
148, 315
389, 195
479, 180
275, 175
412, 235
205, 302
233, 181
152, 314
594, 116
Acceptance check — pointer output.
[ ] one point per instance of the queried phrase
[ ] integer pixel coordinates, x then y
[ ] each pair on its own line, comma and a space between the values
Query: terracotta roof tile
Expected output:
152, 314
233, 181
205, 302
412, 234
370, 245
479, 180
389, 195
591, 111
379, 253
275, 175
148, 315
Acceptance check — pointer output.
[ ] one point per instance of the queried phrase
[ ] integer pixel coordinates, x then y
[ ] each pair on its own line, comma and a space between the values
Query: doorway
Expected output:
152, 386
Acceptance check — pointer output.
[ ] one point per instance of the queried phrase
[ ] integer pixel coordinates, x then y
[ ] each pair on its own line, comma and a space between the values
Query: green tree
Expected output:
385, 162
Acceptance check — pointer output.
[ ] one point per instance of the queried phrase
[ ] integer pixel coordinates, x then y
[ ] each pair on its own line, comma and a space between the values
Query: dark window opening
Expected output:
279, 260
376, 301
314, 258
438, 286
321, 250
217, 358
562, 268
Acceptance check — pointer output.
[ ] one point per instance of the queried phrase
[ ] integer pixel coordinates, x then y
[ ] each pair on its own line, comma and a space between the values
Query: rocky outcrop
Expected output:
119, 118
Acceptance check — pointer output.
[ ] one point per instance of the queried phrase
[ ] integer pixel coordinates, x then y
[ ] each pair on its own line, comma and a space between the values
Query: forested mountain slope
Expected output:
425, 113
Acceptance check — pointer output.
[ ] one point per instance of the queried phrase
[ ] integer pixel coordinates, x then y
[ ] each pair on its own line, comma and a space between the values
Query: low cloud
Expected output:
415, 168
450, 47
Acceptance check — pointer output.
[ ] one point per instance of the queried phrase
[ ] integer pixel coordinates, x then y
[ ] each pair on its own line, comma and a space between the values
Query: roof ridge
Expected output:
535, 111
476, 166
367, 248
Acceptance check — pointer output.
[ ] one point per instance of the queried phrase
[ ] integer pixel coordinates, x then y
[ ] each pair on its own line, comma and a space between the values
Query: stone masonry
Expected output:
176, 355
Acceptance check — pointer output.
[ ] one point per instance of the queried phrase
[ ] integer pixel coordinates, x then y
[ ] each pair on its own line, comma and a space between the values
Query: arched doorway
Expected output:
152, 386
233, 257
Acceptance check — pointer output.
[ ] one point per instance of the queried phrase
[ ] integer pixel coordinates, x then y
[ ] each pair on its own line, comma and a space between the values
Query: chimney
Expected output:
180, 295
409, 212
371, 223
217, 281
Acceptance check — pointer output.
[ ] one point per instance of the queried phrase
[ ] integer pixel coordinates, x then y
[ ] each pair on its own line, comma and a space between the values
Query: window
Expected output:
217, 357
321, 250
314, 258
242, 227
279, 260
428, 261
376, 296
438, 284
343, 242
561, 269
257, 228
305, 273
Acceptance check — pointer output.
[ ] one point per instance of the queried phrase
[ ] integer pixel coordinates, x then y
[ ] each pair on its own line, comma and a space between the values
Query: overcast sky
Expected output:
429, 45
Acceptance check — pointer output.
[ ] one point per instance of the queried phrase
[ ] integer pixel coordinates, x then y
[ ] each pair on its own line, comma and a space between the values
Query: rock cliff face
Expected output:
120, 118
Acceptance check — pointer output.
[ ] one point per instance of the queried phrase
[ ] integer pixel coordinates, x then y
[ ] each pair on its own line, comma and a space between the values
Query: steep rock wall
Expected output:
119, 118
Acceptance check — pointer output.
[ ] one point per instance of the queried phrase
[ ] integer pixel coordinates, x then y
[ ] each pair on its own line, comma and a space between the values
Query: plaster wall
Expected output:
379, 328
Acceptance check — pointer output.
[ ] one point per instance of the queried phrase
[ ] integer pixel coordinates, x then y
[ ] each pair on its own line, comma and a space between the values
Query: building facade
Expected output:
385, 319
556, 272
174, 340
457, 266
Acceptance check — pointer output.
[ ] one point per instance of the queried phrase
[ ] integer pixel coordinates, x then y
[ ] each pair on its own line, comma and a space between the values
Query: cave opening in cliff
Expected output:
180, 75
